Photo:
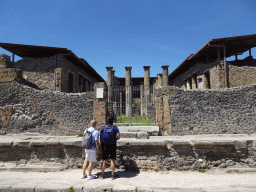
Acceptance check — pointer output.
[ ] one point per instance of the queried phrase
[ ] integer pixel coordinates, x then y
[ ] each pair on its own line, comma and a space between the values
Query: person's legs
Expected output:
85, 166
103, 167
90, 168
113, 166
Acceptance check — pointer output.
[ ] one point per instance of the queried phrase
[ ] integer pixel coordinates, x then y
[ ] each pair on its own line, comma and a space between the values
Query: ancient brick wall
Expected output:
44, 111
66, 68
100, 106
214, 69
207, 111
39, 71
242, 72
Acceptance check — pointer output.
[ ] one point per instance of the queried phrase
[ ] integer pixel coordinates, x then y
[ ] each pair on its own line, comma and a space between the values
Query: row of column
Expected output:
162, 79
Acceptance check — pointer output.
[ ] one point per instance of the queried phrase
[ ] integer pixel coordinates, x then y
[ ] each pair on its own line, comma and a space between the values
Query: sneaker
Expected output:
91, 177
83, 176
101, 176
113, 177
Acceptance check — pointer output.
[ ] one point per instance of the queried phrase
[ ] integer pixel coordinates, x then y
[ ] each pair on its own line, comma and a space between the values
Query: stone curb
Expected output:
118, 188
241, 170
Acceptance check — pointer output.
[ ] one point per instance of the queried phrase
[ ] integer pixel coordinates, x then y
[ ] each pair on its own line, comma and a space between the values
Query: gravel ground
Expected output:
170, 179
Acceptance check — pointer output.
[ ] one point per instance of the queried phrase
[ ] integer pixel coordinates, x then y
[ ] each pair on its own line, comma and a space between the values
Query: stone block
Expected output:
142, 135
123, 188
5, 188
144, 189
21, 143
2, 132
240, 144
22, 188
6, 143
52, 188
128, 134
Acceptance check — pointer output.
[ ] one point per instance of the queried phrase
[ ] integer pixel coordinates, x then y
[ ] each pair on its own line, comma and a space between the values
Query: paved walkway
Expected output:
213, 180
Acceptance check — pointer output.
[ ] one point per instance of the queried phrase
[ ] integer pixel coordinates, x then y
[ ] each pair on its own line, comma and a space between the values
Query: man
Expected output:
108, 136
92, 153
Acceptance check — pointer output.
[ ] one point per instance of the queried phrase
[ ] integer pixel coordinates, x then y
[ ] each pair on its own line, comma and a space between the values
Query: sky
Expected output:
123, 33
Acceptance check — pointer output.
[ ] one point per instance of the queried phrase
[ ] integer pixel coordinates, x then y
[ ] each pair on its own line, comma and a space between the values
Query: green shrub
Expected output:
80, 135
71, 189
201, 170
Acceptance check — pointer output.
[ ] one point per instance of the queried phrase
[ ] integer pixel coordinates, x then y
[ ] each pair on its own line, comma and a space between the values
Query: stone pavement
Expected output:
145, 181
50, 178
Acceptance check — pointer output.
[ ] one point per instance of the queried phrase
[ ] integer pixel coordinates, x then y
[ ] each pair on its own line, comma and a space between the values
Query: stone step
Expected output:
37, 167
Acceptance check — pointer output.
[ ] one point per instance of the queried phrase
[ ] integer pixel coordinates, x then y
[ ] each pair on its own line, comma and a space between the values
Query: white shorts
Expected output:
90, 155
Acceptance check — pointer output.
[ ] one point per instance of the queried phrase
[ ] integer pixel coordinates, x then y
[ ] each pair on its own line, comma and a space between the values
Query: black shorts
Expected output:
108, 150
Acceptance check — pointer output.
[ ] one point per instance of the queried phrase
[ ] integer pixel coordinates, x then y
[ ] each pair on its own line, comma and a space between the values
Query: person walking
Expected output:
91, 154
109, 134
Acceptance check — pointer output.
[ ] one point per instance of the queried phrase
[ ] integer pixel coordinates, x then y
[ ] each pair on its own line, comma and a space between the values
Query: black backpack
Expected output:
87, 141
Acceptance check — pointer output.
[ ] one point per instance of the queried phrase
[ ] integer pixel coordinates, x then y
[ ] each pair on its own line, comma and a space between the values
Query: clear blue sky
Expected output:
123, 33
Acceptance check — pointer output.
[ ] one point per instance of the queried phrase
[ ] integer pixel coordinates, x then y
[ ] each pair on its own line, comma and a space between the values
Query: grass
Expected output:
156, 170
191, 127
201, 170
136, 120
80, 135
71, 189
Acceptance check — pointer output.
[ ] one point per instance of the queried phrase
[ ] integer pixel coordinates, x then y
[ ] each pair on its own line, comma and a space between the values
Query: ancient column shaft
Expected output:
165, 75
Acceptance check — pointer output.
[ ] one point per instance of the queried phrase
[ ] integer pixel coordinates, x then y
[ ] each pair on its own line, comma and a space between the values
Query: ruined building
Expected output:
208, 68
52, 68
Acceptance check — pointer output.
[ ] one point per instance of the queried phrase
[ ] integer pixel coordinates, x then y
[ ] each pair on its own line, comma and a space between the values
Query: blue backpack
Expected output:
109, 135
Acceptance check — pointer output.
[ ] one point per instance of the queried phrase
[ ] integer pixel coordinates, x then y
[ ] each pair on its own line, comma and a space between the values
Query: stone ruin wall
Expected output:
39, 71
193, 112
215, 71
24, 109
242, 72
166, 154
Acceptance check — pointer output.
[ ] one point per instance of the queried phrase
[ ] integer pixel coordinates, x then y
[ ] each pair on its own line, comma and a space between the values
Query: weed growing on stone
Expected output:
137, 138
220, 135
71, 189
249, 134
191, 127
156, 170
80, 135
181, 134
201, 170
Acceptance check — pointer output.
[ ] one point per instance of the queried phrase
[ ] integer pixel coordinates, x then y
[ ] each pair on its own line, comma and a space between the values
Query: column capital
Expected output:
109, 68
165, 66
146, 67
159, 74
128, 68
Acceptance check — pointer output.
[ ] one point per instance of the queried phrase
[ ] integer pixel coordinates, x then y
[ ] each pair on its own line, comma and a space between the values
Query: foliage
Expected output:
191, 127
201, 170
136, 120
80, 135
156, 170
71, 189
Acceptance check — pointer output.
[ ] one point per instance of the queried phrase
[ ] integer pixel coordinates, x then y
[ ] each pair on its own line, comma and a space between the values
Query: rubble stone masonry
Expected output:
39, 71
43, 111
195, 112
